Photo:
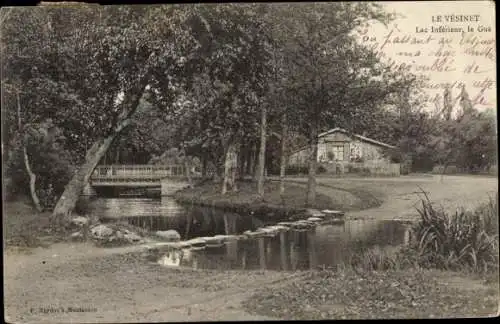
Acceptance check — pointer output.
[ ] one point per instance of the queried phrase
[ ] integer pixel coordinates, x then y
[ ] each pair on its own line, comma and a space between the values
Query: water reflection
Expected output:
297, 250
166, 214
291, 250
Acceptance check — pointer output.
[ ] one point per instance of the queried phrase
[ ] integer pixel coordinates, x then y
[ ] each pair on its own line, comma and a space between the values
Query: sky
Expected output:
425, 39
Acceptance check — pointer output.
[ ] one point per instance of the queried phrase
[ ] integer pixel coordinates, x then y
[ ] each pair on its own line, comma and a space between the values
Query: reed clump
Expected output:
460, 241
464, 240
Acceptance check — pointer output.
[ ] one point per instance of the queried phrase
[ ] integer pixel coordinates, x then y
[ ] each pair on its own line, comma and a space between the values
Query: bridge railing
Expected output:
139, 171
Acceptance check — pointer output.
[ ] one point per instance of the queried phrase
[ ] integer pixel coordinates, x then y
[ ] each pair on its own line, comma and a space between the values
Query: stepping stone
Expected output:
196, 242
272, 231
314, 213
213, 240
266, 231
158, 245
198, 248
214, 245
226, 238
333, 212
285, 224
184, 244
305, 222
304, 226
334, 221
254, 234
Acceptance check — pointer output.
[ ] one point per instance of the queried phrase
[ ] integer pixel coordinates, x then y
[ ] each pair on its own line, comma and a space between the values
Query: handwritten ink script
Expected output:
446, 48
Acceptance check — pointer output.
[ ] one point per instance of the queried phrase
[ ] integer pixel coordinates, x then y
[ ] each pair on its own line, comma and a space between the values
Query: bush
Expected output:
464, 240
49, 161
382, 259
405, 168
360, 170
321, 169
303, 169
296, 169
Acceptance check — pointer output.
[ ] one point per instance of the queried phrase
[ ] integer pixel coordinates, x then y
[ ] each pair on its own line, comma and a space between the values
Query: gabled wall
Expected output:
353, 148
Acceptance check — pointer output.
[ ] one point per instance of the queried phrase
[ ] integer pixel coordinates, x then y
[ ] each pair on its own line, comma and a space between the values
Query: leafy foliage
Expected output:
50, 162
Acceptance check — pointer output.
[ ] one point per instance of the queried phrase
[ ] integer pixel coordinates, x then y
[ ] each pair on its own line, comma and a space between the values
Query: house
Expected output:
342, 152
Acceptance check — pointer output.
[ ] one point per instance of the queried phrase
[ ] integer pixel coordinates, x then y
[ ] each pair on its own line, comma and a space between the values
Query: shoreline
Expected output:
246, 202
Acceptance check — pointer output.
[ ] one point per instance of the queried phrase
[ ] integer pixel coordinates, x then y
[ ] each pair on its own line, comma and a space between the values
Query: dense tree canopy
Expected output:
123, 84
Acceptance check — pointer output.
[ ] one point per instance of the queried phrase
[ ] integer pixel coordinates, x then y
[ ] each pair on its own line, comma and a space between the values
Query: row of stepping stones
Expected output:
315, 218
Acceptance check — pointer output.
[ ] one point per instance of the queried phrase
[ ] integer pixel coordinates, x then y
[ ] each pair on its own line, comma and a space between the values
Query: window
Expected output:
338, 151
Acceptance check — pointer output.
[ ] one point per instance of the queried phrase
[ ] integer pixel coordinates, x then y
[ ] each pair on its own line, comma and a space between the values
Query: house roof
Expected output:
360, 137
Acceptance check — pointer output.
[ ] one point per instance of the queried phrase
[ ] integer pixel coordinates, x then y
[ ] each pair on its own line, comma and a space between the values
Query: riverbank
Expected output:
246, 201
409, 294
24, 227
399, 197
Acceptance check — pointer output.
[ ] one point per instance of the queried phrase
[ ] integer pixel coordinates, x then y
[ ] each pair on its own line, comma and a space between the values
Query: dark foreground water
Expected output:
326, 245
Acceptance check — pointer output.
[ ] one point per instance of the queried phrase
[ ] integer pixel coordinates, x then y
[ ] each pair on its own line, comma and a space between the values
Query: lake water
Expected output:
326, 245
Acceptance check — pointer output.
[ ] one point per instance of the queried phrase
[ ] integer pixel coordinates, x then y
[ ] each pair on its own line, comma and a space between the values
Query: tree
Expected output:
223, 98
119, 52
336, 80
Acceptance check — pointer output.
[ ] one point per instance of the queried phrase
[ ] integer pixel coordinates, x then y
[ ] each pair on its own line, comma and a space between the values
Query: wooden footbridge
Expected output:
167, 177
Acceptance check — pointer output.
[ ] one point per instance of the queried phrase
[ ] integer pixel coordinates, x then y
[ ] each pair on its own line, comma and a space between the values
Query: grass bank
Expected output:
412, 281
246, 200
378, 295
25, 227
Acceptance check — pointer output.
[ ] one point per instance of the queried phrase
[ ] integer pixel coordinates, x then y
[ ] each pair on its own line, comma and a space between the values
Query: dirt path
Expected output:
402, 195
116, 285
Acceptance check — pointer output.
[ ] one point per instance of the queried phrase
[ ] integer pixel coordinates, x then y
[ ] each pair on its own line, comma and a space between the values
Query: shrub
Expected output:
303, 169
360, 170
296, 169
321, 169
49, 161
405, 168
464, 241
459, 241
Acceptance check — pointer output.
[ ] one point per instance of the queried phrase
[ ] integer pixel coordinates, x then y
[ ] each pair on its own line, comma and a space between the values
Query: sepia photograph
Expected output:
249, 161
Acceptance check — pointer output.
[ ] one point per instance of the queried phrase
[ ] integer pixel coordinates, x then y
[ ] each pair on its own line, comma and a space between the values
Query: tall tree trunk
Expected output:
204, 165
32, 176
249, 164
255, 161
262, 153
117, 156
313, 153
284, 134
234, 168
187, 166
241, 162
227, 168
73, 189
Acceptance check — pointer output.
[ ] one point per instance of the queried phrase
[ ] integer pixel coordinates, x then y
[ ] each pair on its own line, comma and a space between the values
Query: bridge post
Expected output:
88, 190
164, 188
